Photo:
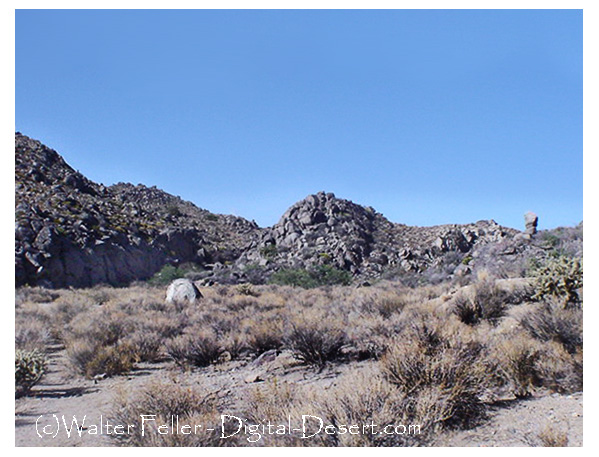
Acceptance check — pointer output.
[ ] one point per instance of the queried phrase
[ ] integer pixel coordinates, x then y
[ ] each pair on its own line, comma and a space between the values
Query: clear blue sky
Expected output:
430, 117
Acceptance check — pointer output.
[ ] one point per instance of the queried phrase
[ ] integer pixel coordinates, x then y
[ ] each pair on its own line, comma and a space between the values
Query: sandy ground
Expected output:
521, 423
63, 394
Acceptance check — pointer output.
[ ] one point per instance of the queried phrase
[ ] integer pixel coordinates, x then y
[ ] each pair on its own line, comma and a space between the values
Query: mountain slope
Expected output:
70, 231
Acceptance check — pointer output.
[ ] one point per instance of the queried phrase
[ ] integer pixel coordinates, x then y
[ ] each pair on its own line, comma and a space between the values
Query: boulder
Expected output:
182, 291
531, 220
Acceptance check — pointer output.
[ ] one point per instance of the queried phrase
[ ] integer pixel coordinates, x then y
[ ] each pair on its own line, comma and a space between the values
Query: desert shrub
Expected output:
35, 295
293, 277
104, 326
201, 348
30, 367
144, 345
465, 310
550, 321
269, 251
320, 275
246, 289
488, 302
367, 398
551, 436
235, 344
163, 324
265, 335
522, 364
388, 305
31, 334
559, 371
241, 302
316, 343
438, 370
94, 342
90, 358
560, 277
111, 360
193, 406
360, 398
515, 358
369, 336
166, 275
272, 402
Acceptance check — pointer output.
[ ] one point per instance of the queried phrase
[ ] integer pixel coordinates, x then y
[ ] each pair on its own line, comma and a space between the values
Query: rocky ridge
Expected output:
70, 231
323, 229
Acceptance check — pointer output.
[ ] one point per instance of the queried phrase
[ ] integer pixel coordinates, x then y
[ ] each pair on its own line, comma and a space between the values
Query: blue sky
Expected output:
430, 117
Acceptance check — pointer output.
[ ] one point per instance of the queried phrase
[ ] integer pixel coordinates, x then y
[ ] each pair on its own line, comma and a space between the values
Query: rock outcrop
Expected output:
70, 231
323, 229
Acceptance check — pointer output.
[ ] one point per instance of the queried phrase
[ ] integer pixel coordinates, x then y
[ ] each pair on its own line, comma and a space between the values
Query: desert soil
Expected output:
63, 393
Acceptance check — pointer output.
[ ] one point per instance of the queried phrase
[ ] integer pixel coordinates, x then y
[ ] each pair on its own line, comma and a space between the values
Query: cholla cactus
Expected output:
560, 277
246, 289
30, 366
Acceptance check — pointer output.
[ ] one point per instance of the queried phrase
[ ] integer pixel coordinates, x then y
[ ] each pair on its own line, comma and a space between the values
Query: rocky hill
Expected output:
70, 231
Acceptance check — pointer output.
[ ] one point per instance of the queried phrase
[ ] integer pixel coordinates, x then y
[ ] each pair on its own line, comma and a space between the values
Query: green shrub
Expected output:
328, 275
322, 275
166, 275
30, 367
269, 251
560, 277
173, 210
294, 277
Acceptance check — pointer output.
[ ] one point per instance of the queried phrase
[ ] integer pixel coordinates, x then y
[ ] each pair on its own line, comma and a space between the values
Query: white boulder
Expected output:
182, 291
